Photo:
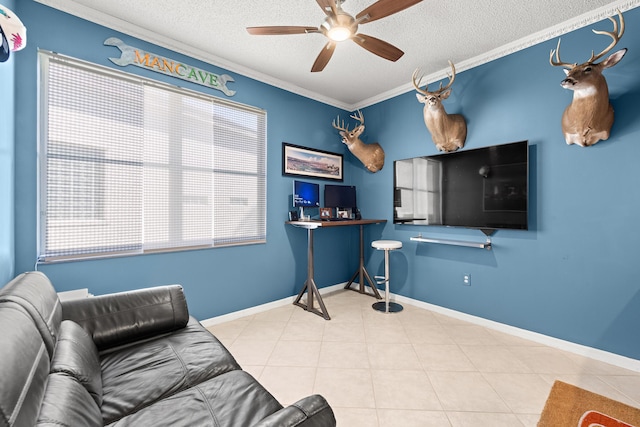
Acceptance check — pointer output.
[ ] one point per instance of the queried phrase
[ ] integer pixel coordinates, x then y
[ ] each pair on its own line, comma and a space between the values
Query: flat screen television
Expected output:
485, 188
340, 196
306, 194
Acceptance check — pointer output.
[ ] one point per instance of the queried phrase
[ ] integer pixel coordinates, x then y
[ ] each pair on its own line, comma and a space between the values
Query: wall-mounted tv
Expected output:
485, 188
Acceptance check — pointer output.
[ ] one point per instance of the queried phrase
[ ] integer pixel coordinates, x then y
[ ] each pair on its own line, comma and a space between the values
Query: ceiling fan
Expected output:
339, 26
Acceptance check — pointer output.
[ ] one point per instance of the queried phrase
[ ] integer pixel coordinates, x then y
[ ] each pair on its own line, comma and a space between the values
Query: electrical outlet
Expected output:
466, 280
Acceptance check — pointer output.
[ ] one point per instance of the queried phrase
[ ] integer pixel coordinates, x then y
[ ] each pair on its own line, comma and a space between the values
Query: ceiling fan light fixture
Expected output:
338, 33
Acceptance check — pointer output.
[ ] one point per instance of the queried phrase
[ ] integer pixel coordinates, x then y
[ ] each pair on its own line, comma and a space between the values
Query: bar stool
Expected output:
386, 246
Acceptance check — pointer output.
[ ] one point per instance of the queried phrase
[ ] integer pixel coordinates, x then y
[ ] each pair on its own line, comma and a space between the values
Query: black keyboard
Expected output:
336, 219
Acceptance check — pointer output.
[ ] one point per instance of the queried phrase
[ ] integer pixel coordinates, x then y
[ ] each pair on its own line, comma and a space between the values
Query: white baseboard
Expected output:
581, 350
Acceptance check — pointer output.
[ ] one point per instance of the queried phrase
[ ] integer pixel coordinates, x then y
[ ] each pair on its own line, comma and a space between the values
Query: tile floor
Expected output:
413, 368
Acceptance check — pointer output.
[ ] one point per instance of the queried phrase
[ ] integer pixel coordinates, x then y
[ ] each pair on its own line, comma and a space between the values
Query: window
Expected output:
130, 165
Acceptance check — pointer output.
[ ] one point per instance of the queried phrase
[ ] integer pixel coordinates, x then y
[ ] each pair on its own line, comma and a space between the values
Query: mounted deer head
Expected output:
371, 155
589, 117
448, 131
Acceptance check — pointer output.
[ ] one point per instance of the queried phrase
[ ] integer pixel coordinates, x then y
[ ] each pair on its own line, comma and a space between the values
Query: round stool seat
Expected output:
386, 244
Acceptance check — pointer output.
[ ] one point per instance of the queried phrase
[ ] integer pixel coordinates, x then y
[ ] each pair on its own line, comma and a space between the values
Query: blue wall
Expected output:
216, 281
570, 276
7, 136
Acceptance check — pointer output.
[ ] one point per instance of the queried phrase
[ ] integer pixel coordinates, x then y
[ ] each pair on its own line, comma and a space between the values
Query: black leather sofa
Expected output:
127, 359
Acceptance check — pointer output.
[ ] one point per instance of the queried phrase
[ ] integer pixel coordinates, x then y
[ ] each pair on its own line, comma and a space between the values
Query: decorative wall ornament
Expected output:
448, 131
13, 34
150, 61
371, 155
589, 117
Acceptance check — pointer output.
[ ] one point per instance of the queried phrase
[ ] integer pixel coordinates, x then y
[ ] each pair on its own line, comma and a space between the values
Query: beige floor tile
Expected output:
413, 368
393, 356
295, 353
252, 352
343, 355
470, 335
529, 420
300, 331
398, 389
356, 417
436, 357
546, 360
494, 359
410, 418
523, 393
339, 332
280, 314
480, 419
288, 384
627, 384
345, 388
260, 330
466, 391
427, 334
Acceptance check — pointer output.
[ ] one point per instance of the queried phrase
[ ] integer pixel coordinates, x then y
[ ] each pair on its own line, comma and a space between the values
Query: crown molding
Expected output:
81, 11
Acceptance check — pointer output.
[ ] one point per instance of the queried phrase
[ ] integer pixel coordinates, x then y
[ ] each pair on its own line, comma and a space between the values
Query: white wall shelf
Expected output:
482, 245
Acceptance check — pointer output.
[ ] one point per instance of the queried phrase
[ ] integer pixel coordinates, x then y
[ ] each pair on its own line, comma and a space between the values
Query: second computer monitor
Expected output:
340, 196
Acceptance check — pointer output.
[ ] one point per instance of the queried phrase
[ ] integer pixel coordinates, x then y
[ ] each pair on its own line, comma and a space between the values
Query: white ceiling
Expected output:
467, 32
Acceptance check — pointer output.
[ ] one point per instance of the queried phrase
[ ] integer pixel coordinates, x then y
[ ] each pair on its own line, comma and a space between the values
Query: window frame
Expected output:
259, 233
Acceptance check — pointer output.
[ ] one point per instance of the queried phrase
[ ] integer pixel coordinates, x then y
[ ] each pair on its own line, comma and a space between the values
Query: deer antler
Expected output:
359, 117
615, 35
425, 91
451, 76
557, 62
418, 83
341, 126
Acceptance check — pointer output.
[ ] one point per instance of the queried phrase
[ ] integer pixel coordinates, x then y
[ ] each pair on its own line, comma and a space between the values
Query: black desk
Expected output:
310, 285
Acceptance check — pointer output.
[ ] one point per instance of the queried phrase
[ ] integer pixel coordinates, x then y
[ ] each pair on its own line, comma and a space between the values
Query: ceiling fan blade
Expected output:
280, 30
324, 57
328, 6
378, 47
383, 8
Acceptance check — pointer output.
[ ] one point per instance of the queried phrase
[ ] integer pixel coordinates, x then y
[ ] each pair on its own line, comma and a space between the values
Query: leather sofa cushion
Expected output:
77, 356
120, 318
138, 375
233, 399
68, 404
35, 293
24, 365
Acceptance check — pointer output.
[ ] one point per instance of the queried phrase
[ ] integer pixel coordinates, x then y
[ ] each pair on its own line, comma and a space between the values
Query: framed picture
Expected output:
302, 161
326, 213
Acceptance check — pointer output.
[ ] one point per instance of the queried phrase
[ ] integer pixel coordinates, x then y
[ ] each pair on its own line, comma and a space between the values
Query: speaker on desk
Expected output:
293, 215
357, 214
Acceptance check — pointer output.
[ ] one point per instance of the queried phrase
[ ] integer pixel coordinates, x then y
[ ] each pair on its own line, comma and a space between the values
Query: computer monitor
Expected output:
305, 195
340, 196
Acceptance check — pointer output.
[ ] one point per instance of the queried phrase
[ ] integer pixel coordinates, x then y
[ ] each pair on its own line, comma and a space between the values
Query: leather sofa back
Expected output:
35, 293
24, 366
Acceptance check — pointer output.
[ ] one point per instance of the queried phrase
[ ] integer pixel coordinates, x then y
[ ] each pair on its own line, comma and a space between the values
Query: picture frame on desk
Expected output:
326, 213
311, 162
344, 213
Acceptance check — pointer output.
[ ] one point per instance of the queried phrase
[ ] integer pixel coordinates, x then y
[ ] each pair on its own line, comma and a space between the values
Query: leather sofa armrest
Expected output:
312, 411
124, 317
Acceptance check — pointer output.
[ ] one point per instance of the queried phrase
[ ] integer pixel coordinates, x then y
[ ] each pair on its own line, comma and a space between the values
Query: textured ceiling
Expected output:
467, 32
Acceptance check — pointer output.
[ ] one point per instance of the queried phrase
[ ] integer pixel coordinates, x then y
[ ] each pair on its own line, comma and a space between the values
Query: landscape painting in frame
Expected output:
302, 161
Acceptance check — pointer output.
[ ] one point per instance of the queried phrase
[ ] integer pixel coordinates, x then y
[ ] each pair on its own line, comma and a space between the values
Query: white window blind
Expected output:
129, 165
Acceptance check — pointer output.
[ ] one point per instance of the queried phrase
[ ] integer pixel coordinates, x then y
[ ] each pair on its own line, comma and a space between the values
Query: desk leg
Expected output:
363, 273
310, 284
